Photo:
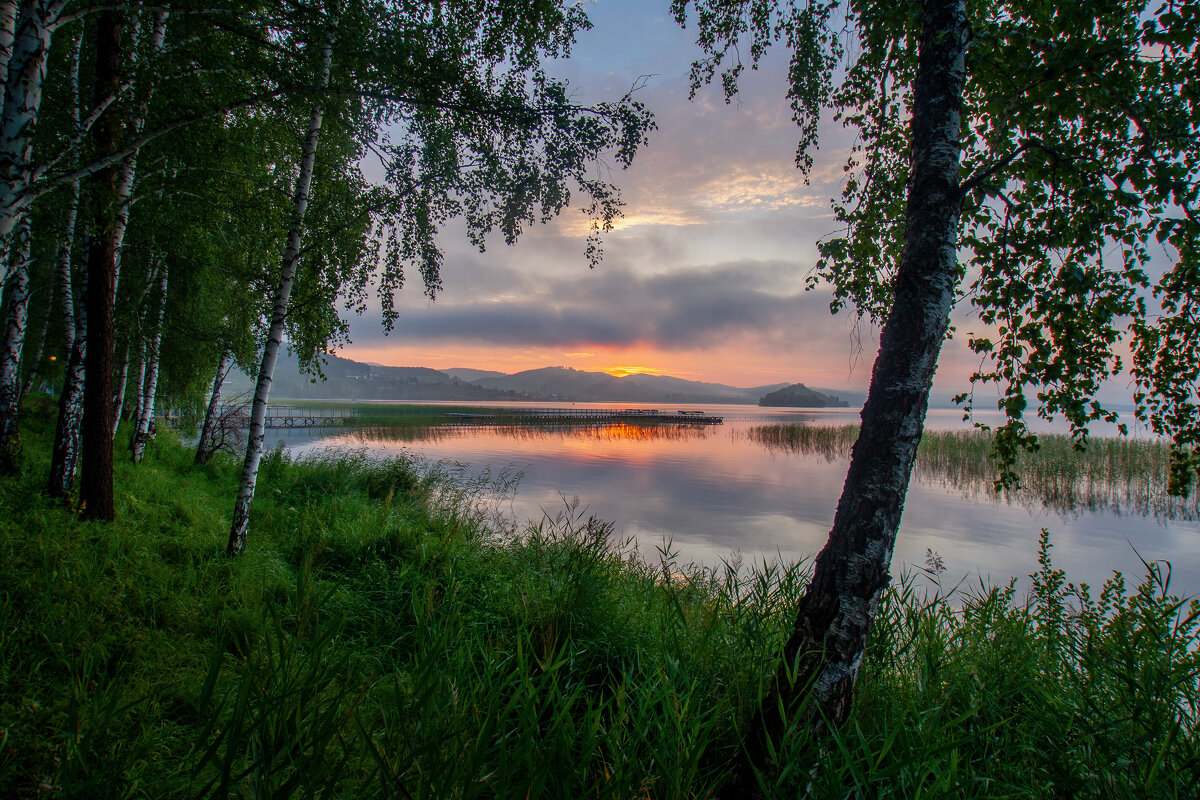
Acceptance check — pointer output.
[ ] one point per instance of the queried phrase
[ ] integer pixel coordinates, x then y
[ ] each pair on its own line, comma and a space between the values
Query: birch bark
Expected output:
68, 235
64, 460
17, 298
122, 378
146, 404
24, 78
291, 255
204, 448
35, 357
825, 649
8, 29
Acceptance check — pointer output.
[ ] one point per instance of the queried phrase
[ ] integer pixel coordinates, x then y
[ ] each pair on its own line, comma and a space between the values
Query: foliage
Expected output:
1080, 145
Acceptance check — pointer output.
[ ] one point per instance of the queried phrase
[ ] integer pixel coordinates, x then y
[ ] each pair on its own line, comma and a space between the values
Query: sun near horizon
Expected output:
621, 372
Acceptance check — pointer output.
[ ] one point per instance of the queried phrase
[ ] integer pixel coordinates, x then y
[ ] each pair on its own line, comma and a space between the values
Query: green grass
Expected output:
379, 640
1121, 475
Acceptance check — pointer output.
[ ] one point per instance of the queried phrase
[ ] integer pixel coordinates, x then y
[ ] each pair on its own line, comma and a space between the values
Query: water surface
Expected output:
709, 492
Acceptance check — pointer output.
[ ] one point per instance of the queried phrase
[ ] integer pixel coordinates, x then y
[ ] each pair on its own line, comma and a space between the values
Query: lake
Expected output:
708, 492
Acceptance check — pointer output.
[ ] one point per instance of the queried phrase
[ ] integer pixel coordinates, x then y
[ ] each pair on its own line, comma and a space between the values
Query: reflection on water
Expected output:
600, 432
1117, 476
711, 491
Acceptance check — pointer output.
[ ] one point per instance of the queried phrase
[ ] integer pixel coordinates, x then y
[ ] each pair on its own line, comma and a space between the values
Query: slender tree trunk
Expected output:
134, 412
146, 406
67, 243
24, 75
64, 270
96, 474
823, 655
65, 458
17, 298
204, 448
266, 370
119, 389
35, 358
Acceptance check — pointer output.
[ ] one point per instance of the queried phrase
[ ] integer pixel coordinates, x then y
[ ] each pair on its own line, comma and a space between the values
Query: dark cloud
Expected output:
681, 309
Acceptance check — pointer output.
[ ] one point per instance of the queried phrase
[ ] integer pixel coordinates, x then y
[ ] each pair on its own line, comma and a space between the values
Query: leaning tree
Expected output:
1037, 158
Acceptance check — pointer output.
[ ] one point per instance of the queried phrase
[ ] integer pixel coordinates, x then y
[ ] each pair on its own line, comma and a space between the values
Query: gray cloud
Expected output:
682, 309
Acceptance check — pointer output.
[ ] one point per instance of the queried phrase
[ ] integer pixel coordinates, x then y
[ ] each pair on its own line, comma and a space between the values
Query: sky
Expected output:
703, 278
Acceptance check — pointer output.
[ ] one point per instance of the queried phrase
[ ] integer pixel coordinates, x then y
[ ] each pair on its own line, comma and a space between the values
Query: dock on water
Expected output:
293, 417
516, 416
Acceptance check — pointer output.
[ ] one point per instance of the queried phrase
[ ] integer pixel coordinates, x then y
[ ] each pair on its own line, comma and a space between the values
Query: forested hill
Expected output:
353, 380
800, 396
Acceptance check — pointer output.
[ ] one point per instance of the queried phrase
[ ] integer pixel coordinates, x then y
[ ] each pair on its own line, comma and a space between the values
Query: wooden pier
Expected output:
290, 417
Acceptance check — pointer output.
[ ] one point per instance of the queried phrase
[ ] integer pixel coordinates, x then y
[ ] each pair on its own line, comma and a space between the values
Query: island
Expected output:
800, 396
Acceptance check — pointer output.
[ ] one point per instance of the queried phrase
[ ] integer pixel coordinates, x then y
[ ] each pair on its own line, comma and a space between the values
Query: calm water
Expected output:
711, 491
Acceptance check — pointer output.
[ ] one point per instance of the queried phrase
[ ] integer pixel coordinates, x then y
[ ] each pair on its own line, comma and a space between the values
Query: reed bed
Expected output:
379, 640
1118, 475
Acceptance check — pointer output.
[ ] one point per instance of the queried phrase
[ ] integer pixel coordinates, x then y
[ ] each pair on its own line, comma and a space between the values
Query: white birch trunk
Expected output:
127, 172
65, 459
64, 270
141, 379
68, 235
35, 357
118, 399
146, 407
25, 77
10, 355
266, 371
204, 448
823, 655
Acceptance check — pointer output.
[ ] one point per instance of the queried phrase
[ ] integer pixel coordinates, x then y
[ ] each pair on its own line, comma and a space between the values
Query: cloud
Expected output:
683, 309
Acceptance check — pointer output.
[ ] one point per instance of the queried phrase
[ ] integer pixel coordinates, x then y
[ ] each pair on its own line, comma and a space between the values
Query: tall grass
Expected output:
1119, 475
380, 640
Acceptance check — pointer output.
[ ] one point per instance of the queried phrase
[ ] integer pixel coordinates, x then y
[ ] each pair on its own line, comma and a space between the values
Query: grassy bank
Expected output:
379, 641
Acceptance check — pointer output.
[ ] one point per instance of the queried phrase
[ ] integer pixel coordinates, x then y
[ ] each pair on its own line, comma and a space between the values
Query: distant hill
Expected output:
565, 383
800, 396
353, 380
346, 379
469, 375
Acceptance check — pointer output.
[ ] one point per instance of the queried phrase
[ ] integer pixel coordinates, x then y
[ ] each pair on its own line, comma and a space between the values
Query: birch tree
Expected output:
16, 299
279, 313
1052, 145
149, 386
474, 130
206, 443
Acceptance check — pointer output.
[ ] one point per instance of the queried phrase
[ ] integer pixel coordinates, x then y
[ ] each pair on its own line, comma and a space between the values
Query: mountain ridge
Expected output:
346, 379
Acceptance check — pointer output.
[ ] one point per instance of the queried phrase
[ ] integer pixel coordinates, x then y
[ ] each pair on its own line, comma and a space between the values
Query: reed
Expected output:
379, 639
1121, 475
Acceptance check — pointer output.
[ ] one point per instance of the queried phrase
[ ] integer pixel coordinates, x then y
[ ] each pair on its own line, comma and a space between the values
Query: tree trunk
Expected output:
96, 484
65, 458
136, 411
119, 382
35, 358
17, 314
146, 405
204, 448
823, 655
67, 243
25, 76
64, 270
266, 370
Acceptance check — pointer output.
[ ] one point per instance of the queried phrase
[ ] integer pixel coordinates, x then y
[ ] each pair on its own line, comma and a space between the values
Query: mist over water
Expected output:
707, 493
